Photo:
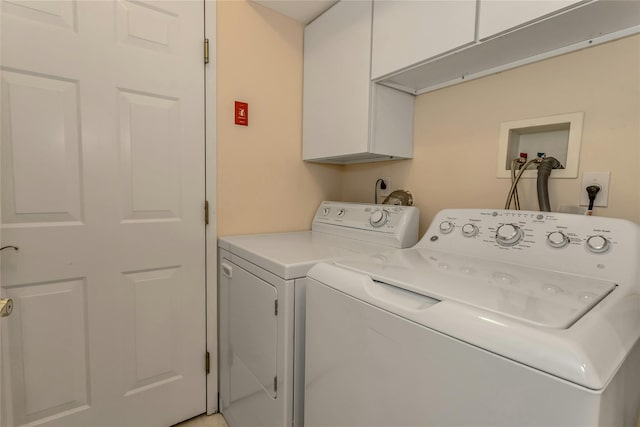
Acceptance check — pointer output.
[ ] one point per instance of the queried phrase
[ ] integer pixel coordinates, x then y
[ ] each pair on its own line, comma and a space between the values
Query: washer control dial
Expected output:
446, 227
508, 234
341, 212
378, 218
557, 239
469, 230
326, 211
598, 244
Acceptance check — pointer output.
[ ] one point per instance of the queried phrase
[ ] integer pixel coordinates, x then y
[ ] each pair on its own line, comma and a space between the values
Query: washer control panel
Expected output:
564, 242
369, 222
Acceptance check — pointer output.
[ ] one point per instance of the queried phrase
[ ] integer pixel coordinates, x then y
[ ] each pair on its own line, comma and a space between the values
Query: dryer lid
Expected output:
539, 297
291, 255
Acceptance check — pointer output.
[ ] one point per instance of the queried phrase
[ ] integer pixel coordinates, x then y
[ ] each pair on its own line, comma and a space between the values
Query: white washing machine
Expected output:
261, 304
495, 318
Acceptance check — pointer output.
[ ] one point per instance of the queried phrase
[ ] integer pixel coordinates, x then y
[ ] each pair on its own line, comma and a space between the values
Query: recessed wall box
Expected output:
556, 136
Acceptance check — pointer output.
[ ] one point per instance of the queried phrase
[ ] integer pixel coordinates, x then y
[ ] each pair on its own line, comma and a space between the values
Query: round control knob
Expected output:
557, 239
326, 211
469, 230
598, 244
446, 227
508, 234
341, 212
378, 218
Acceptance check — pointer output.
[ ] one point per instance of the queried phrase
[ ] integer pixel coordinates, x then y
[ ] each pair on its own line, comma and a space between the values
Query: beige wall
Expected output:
457, 131
263, 185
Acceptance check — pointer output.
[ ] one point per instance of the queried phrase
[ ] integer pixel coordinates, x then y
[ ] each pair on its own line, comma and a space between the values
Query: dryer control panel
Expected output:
598, 246
390, 225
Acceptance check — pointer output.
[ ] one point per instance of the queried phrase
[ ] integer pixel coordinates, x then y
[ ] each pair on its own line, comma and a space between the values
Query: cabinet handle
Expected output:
227, 270
15, 248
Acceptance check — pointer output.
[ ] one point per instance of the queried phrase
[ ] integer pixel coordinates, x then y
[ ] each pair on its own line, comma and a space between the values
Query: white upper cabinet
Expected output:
336, 80
346, 117
365, 59
406, 32
497, 16
510, 33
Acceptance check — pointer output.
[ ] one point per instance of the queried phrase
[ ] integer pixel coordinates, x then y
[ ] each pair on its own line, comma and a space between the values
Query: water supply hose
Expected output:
514, 182
544, 171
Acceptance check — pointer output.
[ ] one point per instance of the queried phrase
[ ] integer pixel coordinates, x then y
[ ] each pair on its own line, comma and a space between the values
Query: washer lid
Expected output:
538, 297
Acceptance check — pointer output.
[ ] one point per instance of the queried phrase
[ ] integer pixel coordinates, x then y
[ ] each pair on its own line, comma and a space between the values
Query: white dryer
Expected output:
261, 304
496, 318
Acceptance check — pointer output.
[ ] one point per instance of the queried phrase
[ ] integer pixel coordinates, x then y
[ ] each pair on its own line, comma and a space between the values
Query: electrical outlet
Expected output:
601, 179
384, 192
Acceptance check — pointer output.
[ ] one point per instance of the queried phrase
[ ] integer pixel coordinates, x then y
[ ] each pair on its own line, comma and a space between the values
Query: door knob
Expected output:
6, 307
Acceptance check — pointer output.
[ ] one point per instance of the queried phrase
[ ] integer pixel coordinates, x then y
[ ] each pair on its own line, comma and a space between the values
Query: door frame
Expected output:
211, 233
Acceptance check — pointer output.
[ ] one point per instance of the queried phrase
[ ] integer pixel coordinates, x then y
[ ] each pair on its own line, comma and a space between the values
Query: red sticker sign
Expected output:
242, 113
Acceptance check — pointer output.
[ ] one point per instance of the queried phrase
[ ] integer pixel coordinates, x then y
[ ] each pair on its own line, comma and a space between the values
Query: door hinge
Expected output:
275, 384
275, 308
206, 212
207, 362
206, 51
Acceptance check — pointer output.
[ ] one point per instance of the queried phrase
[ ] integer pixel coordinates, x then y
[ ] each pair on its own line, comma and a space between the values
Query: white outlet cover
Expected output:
601, 179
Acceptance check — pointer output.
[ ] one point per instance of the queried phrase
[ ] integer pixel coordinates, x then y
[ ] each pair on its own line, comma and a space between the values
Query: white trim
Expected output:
546, 55
211, 194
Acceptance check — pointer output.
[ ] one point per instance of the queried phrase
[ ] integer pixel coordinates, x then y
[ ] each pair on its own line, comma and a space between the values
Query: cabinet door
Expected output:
497, 16
337, 60
406, 32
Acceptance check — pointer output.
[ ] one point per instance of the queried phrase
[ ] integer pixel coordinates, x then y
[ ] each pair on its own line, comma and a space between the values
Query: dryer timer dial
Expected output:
379, 218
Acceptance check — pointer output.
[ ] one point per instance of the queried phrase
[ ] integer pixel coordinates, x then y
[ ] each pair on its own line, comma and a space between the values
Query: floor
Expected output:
215, 420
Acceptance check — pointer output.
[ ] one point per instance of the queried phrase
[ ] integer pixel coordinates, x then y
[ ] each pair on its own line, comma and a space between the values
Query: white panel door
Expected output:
103, 190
